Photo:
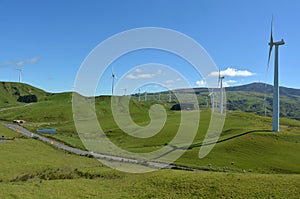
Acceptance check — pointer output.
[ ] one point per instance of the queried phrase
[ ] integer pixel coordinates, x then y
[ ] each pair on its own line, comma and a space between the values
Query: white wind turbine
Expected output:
145, 96
113, 76
212, 95
139, 95
221, 91
275, 122
20, 74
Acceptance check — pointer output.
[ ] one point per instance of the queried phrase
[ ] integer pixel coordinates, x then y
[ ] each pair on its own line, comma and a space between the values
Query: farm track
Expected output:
59, 145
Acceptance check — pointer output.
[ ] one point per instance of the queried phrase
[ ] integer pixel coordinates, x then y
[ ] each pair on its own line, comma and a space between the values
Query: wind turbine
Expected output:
170, 97
139, 95
113, 81
212, 95
265, 105
275, 122
20, 74
221, 91
145, 96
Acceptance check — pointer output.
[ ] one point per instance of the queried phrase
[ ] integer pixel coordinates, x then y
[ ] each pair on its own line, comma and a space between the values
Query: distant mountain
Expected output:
262, 88
250, 98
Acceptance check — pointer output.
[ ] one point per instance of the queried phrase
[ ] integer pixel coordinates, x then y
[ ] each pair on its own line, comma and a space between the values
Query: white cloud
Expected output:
159, 72
33, 60
170, 81
228, 83
138, 70
201, 83
140, 76
232, 72
21, 62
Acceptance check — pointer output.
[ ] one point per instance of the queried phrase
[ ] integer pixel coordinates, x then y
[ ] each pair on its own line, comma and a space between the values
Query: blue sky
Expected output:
50, 39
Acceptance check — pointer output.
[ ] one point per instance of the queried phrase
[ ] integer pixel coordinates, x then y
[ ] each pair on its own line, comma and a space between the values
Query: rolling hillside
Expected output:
13, 93
246, 98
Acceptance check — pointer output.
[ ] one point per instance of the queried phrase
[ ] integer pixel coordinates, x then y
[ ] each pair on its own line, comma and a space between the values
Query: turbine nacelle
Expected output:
278, 43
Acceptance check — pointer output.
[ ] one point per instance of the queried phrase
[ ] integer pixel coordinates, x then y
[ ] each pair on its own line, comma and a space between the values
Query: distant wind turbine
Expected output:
221, 91
145, 96
212, 95
20, 74
275, 122
139, 95
170, 97
113, 81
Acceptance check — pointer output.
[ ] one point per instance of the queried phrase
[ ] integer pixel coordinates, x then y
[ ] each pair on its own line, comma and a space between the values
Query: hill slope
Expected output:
247, 98
13, 93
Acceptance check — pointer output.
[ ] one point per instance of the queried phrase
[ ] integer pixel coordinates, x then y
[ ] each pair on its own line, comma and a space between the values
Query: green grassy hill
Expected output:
248, 161
246, 143
247, 98
11, 92
32, 169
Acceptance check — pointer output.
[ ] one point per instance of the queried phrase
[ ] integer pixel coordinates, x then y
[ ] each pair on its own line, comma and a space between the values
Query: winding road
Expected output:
62, 146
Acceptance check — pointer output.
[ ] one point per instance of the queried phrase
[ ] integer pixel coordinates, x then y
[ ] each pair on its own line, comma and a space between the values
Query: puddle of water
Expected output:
4, 141
47, 131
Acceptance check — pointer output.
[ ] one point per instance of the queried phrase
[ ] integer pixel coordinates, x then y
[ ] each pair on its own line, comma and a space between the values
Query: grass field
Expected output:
31, 169
246, 143
248, 161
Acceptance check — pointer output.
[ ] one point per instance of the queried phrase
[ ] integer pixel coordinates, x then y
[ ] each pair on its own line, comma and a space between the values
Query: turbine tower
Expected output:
139, 95
113, 81
20, 74
221, 91
275, 122
212, 95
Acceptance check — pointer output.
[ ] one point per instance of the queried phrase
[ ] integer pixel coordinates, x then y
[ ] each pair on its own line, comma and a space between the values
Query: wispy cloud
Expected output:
159, 72
33, 60
201, 83
229, 83
138, 70
140, 76
170, 81
7, 63
20, 62
232, 72
226, 83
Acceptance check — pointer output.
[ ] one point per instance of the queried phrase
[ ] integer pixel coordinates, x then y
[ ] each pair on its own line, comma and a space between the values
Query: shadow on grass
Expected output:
174, 148
229, 138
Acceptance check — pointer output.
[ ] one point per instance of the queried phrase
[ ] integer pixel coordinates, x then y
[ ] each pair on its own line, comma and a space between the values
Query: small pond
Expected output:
47, 131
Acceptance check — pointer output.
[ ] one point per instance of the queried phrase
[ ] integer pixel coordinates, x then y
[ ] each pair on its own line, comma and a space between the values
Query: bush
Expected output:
27, 99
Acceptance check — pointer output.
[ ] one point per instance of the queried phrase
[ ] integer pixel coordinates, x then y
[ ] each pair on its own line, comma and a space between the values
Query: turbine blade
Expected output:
219, 77
112, 72
271, 43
